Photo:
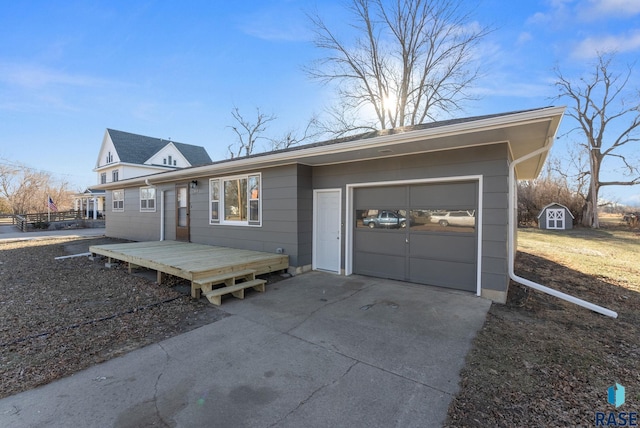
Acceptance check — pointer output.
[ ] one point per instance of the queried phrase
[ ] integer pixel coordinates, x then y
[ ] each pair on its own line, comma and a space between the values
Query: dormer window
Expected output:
170, 160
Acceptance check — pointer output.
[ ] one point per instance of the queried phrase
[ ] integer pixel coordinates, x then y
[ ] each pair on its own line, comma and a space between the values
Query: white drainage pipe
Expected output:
513, 195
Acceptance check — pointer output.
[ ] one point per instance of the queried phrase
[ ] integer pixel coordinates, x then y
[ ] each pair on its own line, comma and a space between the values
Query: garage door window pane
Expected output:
462, 221
381, 219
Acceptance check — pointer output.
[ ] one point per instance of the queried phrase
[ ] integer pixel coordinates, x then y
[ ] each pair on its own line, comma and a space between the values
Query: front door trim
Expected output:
350, 221
315, 234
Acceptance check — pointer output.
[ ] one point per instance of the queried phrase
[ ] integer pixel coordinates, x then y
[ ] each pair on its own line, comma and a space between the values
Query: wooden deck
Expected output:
194, 262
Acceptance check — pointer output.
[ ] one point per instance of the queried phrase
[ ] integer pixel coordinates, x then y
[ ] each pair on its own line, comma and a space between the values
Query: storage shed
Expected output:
555, 216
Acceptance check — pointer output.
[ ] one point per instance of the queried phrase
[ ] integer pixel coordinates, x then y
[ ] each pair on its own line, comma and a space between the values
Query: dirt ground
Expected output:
61, 316
538, 361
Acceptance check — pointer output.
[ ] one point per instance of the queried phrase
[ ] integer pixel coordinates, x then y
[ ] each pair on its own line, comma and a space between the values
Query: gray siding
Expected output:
489, 161
131, 223
287, 200
287, 205
280, 228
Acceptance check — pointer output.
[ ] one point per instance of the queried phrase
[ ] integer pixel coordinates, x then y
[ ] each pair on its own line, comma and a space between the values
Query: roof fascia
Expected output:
297, 156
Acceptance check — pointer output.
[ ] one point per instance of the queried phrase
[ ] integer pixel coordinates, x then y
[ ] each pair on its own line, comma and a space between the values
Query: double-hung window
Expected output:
235, 200
117, 200
148, 199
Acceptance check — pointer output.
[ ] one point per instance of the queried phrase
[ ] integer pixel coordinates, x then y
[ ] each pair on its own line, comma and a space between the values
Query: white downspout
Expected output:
162, 215
513, 194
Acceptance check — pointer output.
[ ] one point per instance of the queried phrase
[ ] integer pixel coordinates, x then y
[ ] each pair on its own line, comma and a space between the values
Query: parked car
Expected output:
454, 218
390, 219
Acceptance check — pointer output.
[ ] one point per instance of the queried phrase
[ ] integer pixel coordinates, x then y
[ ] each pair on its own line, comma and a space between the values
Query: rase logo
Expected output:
616, 397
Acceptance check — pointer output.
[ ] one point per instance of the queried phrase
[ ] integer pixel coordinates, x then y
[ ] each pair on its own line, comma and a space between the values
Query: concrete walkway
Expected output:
12, 233
314, 350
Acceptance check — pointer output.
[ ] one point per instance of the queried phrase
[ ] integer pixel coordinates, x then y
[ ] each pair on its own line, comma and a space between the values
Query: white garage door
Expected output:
423, 233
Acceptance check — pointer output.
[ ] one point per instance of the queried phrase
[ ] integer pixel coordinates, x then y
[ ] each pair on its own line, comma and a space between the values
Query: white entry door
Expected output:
326, 229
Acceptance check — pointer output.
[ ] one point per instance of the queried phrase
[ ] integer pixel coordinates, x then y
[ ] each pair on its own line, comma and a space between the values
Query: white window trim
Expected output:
148, 210
221, 220
113, 208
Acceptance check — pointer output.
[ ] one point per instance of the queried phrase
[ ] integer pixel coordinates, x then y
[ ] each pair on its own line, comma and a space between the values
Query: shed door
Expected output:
423, 233
555, 218
182, 213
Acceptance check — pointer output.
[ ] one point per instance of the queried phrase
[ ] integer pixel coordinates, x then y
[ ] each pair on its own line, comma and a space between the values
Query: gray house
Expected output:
429, 204
555, 217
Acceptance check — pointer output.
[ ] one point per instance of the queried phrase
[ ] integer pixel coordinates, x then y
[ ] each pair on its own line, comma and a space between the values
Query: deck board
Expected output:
191, 261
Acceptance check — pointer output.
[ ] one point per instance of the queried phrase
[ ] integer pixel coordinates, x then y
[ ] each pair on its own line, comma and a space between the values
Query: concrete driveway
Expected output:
314, 350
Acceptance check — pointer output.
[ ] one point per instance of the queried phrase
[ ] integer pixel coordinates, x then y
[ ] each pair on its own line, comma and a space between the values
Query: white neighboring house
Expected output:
124, 155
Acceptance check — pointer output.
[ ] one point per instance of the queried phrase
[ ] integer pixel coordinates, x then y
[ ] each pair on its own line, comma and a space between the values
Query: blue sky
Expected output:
171, 69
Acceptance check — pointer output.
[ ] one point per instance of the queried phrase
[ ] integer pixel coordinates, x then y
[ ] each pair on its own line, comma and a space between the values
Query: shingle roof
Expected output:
137, 149
380, 133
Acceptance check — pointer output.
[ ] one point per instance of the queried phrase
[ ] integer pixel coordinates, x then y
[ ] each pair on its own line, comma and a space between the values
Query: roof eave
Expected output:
552, 115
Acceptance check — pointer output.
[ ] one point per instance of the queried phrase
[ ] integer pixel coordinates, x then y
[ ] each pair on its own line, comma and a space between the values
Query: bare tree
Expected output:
25, 190
553, 185
410, 61
609, 119
248, 132
293, 137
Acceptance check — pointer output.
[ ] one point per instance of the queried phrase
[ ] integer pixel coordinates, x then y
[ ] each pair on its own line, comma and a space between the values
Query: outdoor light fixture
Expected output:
194, 184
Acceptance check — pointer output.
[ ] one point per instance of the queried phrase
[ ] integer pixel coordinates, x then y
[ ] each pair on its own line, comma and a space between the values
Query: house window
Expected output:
170, 161
164, 161
118, 200
114, 175
175, 162
214, 198
148, 199
103, 178
236, 200
109, 157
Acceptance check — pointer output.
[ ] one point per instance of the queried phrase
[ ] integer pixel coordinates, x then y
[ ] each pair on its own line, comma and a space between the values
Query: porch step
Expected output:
230, 278
237, 290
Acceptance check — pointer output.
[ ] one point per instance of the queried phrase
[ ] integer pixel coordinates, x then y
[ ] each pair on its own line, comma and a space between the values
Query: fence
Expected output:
7, 219
42, 220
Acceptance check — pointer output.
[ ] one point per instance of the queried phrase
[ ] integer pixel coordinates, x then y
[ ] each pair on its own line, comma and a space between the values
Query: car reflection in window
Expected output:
386, 219
444, 220
454, 218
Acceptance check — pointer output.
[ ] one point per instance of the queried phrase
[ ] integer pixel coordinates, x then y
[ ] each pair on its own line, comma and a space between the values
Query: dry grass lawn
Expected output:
541, 361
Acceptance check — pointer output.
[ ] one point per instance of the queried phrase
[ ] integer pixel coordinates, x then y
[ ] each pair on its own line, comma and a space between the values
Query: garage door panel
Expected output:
461, 276
425, 252
444, 195
390, 242
381, 265
460, 248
